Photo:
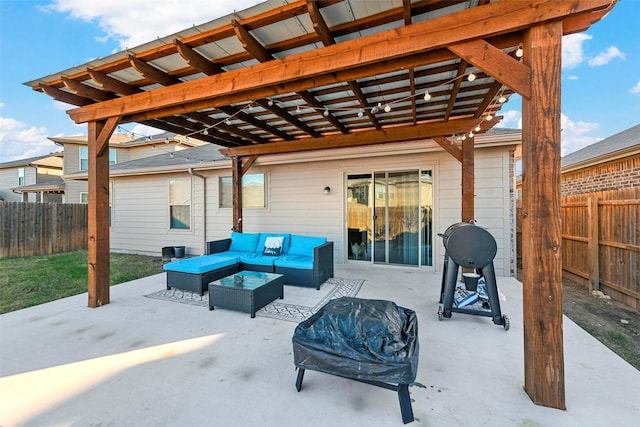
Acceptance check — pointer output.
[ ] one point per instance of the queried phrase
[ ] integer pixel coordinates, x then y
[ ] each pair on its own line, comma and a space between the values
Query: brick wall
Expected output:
624, 173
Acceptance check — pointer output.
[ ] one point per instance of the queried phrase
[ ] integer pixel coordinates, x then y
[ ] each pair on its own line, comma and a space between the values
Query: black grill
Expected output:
472, 247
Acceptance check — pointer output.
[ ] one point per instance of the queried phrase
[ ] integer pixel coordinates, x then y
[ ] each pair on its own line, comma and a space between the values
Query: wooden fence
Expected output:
601, 242
41, 228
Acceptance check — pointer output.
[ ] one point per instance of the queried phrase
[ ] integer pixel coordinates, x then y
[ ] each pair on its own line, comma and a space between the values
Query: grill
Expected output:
472, 247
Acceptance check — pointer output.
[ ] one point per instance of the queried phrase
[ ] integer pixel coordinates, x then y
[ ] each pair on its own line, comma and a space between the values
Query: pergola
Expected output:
325, 74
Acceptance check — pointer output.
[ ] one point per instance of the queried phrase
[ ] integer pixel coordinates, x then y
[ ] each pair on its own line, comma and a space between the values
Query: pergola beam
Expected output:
388, 135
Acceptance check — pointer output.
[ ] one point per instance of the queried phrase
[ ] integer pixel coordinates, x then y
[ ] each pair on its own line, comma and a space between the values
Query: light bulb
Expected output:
360, 112
205, 132
502, 99
471, 77
297, 108
228, 121
477, 129
326, 112
270, 103
519, 52
489, 117
471, 134
374, 110
427, 95
387, 108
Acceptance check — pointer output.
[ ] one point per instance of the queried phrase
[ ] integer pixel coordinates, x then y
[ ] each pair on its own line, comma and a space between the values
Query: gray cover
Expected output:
364, 339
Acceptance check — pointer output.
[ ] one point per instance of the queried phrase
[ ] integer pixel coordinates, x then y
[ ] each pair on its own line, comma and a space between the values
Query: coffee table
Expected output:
246, 291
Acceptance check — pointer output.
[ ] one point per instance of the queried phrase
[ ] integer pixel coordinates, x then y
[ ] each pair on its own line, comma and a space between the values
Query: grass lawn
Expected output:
29, 281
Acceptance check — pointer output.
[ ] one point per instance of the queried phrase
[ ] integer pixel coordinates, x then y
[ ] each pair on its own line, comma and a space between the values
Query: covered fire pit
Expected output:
371, 341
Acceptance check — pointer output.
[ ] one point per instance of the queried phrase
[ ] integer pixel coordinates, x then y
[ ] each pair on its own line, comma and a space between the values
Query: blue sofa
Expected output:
303, 260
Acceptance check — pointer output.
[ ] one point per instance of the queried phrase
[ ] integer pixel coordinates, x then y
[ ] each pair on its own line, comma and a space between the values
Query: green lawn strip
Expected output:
29, 281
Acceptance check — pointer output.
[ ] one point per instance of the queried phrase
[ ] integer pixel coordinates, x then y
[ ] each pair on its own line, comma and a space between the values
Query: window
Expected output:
180, 203
20, 176
84, 197
253, 191
84, 158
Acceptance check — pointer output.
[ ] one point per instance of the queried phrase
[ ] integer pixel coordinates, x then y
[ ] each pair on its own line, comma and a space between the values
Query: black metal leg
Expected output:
405, 403
299, 380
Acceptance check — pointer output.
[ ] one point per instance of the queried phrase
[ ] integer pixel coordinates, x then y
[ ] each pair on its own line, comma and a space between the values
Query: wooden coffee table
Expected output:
246, 291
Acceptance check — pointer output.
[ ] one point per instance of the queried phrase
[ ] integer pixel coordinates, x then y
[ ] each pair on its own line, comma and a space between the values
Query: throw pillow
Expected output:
273, 246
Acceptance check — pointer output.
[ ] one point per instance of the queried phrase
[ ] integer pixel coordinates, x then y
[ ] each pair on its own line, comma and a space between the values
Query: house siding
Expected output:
296, 202
9, 180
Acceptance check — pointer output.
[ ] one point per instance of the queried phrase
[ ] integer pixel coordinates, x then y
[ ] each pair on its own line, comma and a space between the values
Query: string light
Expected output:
519, 52
387, 108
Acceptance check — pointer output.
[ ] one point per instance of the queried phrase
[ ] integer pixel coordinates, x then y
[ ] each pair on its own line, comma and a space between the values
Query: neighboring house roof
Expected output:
50, 186
201, 156
51, 160
619, 145
126, 140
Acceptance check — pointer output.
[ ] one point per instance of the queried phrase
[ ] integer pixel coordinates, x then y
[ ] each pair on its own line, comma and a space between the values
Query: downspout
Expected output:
204, 208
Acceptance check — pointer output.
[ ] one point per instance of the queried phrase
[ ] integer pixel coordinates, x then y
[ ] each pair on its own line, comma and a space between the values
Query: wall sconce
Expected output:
327, 190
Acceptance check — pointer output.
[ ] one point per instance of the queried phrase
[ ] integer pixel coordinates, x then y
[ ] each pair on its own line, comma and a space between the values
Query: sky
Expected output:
600, 67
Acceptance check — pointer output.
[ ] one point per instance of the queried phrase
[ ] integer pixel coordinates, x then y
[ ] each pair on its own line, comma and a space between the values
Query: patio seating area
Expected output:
141, 361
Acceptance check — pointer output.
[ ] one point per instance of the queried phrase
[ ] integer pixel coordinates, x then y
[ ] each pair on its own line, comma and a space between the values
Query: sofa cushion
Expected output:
258, 259
303, 245
201, 264
264, 236
273, 246
244, 242
294, 261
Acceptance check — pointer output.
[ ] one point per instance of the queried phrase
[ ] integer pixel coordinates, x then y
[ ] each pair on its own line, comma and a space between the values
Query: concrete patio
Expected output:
145, 362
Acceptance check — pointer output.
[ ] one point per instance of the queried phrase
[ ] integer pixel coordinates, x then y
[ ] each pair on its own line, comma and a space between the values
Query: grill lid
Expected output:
468, 245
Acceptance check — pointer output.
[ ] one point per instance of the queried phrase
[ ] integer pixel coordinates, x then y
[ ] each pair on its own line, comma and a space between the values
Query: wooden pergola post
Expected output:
100, 132
541, 231
236, 174
468, 180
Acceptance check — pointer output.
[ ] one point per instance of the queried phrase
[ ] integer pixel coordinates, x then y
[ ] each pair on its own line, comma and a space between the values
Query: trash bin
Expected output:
168, 252
179, 251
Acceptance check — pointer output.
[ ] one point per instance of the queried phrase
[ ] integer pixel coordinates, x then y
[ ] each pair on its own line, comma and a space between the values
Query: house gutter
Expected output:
204, 207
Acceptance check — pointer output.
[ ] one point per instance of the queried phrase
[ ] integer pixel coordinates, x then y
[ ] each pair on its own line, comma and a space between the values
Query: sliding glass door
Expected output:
389, 217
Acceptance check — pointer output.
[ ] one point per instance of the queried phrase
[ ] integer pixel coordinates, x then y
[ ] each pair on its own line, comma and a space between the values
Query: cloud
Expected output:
134, 22
575, 136
512, 119
635, 90
572, 49
573, 53
19, 141
144, 130
606, 56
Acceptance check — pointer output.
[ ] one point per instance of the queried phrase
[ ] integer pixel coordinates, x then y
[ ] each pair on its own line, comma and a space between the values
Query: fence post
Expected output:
593, 247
